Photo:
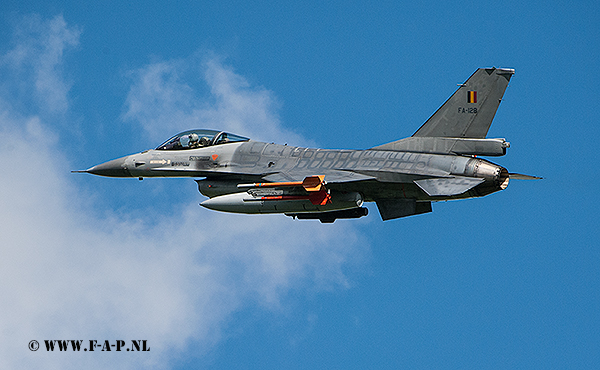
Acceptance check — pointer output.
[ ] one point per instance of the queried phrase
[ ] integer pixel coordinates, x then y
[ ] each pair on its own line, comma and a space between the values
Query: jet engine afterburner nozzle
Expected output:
503, 178
496, 177
481, 168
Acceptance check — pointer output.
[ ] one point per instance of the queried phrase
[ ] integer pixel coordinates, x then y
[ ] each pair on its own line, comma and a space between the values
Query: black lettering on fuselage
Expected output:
467, 110
199, 158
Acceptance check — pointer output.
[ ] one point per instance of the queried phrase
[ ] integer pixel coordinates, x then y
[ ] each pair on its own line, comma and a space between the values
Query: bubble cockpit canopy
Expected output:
194, 139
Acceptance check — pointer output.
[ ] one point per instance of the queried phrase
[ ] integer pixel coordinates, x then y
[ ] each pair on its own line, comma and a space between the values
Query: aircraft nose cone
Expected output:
114, 168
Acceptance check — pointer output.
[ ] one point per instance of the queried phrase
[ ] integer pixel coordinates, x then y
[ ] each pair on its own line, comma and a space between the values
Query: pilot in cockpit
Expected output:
194, 141
222, 139
198, 142
204, 141
199, 139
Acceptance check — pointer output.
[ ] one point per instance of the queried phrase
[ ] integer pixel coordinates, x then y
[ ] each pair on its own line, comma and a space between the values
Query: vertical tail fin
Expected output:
470, 110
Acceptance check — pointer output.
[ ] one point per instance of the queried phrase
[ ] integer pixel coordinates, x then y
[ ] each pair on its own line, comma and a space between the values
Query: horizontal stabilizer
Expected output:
519, 176
448, 186
390, 209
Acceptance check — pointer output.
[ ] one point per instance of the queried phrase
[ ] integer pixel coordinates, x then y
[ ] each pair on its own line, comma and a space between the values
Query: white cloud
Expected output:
68, 273
164, 104
35, 61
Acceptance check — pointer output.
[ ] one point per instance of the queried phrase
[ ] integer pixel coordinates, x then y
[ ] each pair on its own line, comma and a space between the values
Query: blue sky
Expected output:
506, 281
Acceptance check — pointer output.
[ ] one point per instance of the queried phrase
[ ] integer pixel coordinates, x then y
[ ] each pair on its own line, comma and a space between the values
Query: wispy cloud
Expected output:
35, 62
67, 273
163, 102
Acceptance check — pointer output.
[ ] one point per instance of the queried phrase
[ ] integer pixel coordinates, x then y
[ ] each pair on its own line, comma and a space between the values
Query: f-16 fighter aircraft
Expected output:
439, 162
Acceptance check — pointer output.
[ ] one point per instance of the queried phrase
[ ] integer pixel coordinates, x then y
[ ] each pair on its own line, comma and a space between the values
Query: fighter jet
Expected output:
439, 162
